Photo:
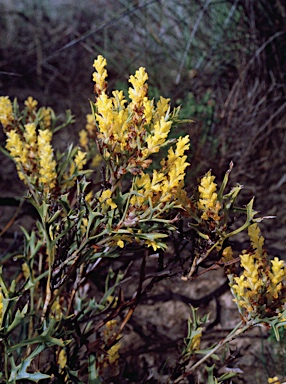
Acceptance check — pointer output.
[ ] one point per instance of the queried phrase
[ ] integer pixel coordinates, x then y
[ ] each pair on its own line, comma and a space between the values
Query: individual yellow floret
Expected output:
31, 104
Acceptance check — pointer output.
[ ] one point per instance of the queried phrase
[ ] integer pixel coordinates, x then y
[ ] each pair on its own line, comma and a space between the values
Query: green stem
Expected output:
234, 333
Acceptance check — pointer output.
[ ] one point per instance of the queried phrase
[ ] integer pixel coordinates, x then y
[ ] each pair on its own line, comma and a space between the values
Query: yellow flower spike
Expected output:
47, 167
100, 75
62, 360
208, 197
257, 240
83, 138
14, 144
31, 104
139, 90
90, 124
80, 160
104, 115
46, 117
18, 151
6, 111
276, 276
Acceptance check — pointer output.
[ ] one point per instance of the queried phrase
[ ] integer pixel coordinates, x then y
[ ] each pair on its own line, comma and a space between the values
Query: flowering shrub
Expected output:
56, 324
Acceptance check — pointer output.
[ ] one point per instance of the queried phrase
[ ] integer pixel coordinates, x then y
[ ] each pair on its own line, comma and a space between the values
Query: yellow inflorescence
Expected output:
33, 155
6, 111
100, 74
62, 359
259, 290
164, 186
127, 133
208, 202
47, 167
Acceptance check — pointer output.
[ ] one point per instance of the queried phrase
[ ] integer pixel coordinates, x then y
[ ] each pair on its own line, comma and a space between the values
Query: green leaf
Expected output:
18, 318
19, 372
93, 377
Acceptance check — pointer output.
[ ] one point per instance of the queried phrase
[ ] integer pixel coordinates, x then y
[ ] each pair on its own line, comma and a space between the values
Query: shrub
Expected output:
63, 309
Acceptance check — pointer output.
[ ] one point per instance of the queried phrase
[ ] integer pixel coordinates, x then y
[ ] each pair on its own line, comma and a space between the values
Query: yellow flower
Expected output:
120, 243
158, 137
31, 104
6, 111
18, 151
16, 148
62, 360
153, 244
89, 197
162, 108
80, 160
47, 167
148, 110
83, 138
26, 270
196, 340
276, 276
46, 117
30, 134
90, 124
100, 75
257, 240
106, 198
139, 90
208, 202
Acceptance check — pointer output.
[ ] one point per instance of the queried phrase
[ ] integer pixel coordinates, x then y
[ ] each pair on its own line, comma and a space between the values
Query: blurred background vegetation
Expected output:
222, 60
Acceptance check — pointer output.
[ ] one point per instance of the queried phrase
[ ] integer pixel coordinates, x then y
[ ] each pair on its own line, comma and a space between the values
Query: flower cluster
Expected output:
127, 134
29, 143
208, 203
260, 290
33, 155
167, 184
